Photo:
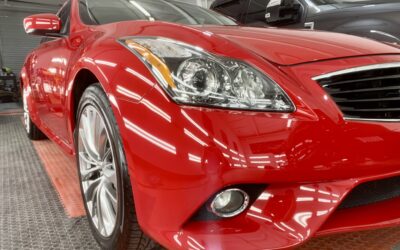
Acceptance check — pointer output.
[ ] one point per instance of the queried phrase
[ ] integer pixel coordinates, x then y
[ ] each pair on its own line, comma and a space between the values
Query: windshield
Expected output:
106, 11
324, 2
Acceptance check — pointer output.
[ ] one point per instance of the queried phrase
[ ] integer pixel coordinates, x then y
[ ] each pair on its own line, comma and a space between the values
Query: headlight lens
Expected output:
191, 76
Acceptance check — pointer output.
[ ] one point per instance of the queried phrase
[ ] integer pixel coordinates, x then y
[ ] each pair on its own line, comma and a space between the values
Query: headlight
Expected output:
194, 77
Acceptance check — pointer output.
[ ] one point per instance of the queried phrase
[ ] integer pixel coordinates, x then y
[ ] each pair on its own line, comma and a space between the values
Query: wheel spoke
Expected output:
88, 132
26, 112
110, 174
91, 154
112, 195
108, 214
87, 173
87, 159
92, 189
98, 171
99, 213
100, 136
107, 154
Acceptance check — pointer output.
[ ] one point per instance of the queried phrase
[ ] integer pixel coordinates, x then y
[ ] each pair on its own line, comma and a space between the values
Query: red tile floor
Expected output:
62, 171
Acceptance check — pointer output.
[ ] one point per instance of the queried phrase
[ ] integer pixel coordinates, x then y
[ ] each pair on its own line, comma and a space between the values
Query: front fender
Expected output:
121, 74
26, 88
377, 29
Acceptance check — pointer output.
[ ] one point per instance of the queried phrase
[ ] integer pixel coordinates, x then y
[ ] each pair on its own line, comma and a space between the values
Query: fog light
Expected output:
230, 203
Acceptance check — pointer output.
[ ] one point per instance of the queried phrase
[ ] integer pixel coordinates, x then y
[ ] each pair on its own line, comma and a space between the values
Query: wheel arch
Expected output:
83, 78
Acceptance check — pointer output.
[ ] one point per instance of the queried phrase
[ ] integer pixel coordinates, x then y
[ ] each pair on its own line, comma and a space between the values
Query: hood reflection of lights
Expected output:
176, 238
302, 218
302, 199
259, 217
195, 138
149, 137
192, 242
140, 76
194, 158
220, 143
265, 196
106, 63
152, 107
259, 157
194, 123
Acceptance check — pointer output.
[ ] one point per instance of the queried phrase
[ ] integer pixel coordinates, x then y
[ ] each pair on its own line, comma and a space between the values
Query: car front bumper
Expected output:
179, 157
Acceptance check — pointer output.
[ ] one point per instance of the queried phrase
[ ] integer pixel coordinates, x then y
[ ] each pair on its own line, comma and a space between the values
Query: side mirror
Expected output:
42, 24
283, 12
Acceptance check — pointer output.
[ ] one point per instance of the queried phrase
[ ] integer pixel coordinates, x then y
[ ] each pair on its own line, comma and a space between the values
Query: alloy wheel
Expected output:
26, 112
98, 171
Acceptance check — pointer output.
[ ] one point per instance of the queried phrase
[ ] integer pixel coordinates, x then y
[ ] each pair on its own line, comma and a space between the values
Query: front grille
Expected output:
371, 92
372, 192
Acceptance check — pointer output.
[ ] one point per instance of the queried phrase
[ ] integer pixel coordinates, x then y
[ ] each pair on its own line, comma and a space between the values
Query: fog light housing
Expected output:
230, 202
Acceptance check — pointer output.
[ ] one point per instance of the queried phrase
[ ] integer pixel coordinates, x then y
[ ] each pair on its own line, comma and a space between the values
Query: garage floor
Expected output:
41, 208
31, 214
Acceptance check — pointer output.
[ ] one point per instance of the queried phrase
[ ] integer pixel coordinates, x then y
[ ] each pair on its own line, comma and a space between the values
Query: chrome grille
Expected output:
366, 93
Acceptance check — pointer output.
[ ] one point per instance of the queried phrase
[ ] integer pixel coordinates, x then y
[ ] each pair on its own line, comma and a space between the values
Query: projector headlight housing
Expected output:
192, 76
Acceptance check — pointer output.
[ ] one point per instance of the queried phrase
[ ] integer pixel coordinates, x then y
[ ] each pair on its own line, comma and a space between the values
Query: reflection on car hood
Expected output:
289, 47
365, 3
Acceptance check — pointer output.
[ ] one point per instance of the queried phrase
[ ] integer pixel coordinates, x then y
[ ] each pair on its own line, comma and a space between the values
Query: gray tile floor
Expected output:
9, 106
31, 215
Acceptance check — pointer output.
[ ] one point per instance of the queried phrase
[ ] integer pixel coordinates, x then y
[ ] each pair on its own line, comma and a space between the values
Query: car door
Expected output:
51, 66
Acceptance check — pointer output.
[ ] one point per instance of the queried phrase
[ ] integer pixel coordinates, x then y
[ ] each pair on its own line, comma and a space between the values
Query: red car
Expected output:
196, 133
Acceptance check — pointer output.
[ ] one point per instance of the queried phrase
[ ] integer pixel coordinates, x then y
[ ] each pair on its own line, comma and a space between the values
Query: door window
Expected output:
65, 14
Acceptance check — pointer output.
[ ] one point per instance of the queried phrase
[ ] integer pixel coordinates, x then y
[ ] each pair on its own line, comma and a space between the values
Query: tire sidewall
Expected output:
92, 97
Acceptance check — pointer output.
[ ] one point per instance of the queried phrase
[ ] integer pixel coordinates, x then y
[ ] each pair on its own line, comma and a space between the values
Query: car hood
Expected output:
290, 47
375, 4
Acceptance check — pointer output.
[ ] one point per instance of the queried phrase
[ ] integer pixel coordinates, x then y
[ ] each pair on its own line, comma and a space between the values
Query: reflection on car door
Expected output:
51, 64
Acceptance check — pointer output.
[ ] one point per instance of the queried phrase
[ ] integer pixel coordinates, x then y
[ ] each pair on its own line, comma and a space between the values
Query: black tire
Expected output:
31, 129
127, 233
35, 134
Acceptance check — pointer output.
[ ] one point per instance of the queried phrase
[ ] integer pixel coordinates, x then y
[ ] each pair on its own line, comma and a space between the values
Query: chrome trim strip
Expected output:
371, 120
358, 69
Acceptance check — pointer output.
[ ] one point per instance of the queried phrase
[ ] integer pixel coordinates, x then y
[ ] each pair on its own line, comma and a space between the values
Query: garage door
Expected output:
14, 43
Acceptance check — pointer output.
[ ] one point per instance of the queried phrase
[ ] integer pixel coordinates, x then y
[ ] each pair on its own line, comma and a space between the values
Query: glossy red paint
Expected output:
41, 24
179, 156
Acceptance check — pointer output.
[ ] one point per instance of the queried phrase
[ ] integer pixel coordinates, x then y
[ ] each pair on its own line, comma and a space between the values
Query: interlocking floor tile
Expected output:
31, 214
63, 174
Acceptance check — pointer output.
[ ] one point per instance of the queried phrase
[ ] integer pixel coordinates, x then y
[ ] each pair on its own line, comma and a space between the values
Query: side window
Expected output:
84, 13
65, 14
